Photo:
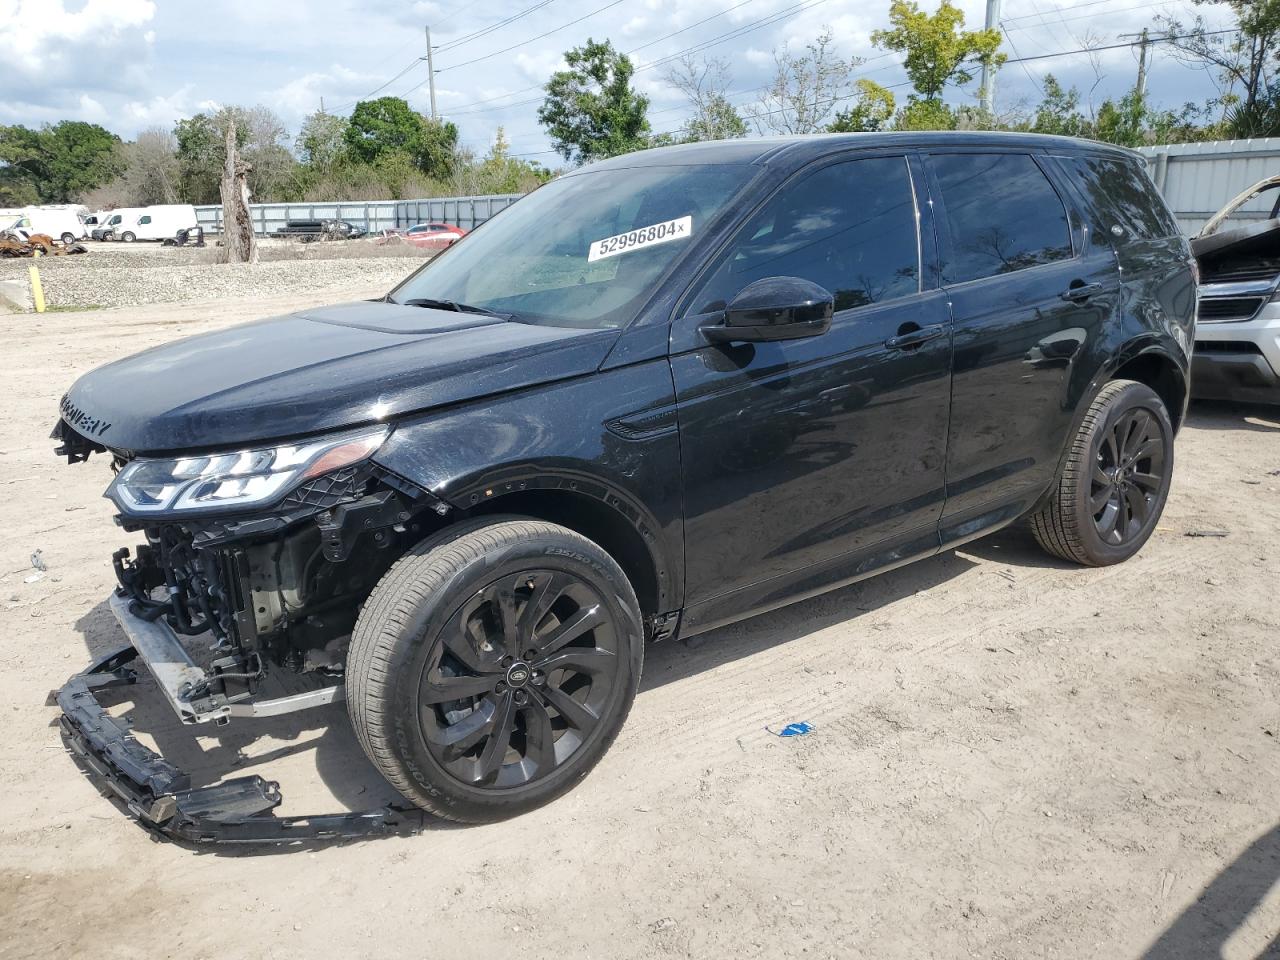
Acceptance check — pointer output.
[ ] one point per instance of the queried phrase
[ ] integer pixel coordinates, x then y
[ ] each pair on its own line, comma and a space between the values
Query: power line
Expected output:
476, 35
416, 62
689, 27
734, 34
1117, 46
1074, 6
516, 46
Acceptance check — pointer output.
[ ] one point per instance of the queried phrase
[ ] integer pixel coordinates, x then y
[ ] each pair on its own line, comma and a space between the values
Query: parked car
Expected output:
434, 236
661, 393
319, 230
1237, 355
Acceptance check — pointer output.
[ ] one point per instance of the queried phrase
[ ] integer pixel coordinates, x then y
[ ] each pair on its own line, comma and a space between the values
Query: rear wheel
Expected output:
68, 239
1115, 482
493, 666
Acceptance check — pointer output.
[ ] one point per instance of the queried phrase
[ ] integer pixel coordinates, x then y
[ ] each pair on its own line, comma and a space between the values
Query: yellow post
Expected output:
37, 289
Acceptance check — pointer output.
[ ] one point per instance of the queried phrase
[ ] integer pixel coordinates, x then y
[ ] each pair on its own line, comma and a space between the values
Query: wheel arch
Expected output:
1158, 370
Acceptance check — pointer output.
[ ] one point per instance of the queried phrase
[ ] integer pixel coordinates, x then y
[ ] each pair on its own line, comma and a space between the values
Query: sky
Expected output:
134, 64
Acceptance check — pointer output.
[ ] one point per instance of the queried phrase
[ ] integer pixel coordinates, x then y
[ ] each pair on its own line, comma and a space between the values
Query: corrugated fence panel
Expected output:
372, 215
1197, 179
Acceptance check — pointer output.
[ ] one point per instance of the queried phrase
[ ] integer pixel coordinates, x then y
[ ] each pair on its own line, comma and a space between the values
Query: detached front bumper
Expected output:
1238, 359
160, 796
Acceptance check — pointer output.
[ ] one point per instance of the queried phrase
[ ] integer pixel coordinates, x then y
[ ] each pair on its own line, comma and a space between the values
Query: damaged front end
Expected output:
251, 562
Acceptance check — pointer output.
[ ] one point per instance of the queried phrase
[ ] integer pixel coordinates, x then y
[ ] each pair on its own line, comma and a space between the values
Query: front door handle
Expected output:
1079, 292
910, 339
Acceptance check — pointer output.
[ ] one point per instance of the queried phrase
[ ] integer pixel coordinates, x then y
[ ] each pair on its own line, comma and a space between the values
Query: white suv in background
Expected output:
1237, 355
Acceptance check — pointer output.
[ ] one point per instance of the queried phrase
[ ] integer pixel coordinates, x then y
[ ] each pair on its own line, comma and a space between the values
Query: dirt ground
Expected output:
1009, 758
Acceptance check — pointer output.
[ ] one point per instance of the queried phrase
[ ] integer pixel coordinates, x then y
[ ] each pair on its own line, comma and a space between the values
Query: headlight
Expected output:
245, 478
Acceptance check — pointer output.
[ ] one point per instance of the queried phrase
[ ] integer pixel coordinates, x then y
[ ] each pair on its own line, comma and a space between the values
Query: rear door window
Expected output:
1002, 215
1121, 195
849, 227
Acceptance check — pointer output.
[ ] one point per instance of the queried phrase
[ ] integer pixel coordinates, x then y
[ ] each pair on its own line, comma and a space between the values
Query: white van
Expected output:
117, 221
157, 223
61, 223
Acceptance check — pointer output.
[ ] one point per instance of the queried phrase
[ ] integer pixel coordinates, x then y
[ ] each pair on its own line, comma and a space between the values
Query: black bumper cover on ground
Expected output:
159, 795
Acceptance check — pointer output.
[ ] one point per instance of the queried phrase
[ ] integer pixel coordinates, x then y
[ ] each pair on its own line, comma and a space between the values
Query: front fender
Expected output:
609, 436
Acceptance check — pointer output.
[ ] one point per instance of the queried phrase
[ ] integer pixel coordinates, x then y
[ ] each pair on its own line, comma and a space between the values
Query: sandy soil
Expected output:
1010, 758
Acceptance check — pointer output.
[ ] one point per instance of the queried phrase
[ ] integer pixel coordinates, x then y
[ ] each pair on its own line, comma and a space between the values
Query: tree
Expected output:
321, 140
1243, 59
388, 125
805, 89
704, 86
151, 168
1059, 111
260, 138
938, 50
872, 110
56, 163
591, 110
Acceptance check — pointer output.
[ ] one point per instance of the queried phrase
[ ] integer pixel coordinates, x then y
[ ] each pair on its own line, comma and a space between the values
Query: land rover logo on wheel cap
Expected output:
518, 674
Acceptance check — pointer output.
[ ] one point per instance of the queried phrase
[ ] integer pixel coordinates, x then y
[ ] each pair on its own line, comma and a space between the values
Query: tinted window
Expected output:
144, 219
589, 249
850, 228
1003, 215
1121, 195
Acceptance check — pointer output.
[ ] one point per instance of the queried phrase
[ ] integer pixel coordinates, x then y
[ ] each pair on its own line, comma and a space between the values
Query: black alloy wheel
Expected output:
493, 665
518, 678
1114, 481
1128, 476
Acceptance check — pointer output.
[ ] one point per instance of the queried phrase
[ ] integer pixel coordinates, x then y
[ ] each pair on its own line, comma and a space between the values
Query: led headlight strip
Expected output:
244, 478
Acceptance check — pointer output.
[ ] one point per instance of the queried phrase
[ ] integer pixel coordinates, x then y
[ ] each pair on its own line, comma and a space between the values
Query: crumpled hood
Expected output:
317, 370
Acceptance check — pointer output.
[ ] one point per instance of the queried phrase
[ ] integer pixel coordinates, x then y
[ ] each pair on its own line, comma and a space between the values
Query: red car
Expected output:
434, 236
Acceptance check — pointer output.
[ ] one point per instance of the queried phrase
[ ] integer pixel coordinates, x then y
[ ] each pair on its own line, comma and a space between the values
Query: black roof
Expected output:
801, 148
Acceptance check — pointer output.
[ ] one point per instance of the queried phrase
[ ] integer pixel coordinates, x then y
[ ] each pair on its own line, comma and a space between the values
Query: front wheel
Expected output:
1114, 485
493, 666
127, 237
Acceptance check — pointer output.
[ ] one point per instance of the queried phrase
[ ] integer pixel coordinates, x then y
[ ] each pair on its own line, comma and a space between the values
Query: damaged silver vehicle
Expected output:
1237, 355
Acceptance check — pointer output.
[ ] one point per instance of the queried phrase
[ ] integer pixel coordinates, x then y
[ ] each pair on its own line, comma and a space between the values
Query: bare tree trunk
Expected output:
239, 244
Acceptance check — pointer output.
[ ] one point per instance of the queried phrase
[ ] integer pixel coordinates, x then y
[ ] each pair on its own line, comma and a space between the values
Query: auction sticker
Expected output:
641, 237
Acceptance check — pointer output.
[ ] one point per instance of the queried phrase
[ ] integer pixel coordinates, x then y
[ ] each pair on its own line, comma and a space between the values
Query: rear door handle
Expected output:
914, 338
1079, 292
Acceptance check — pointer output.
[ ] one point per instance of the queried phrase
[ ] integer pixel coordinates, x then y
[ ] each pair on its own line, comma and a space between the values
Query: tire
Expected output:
68, 239
451, 708
1115, 482
127, 237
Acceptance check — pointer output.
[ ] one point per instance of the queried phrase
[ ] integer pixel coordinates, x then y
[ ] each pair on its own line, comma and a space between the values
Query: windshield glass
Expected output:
585, 250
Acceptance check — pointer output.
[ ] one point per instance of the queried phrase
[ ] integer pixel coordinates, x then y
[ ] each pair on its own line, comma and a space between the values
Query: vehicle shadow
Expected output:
320, 743
1203, 929
1228, 415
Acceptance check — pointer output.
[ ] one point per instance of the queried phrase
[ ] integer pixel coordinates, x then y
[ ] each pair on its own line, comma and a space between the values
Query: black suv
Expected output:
662, 393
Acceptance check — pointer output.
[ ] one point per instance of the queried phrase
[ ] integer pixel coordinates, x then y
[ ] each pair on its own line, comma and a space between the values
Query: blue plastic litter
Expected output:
792, 729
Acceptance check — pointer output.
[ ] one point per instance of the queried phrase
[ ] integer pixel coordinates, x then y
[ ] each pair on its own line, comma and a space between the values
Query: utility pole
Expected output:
1142, 43
988, 89
431, 74
1142, 64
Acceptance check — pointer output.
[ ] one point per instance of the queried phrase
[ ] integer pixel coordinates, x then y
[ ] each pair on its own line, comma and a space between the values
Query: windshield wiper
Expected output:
455, 306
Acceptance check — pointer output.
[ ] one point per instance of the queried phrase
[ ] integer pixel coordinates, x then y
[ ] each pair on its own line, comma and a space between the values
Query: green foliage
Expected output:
56, 163
925, 114
321, 140
937, 49
389, 131
591, 110
872, 110
1059, 111
716, 120
260, 138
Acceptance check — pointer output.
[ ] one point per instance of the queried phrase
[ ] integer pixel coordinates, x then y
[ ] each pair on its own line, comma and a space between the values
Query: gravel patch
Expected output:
166, 275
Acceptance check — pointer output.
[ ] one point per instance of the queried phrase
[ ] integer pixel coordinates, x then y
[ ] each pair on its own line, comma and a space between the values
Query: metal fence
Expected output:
1197, 179
371, 215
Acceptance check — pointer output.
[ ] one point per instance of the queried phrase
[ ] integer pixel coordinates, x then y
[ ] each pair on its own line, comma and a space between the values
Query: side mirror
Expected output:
775, 308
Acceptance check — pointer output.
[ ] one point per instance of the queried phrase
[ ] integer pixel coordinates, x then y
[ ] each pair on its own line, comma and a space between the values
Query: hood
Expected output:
318, 370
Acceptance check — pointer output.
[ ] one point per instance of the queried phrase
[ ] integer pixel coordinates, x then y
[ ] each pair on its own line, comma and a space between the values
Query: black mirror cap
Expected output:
775, 308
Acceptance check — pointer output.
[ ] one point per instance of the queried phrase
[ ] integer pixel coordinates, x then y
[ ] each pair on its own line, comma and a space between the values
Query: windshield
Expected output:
585, 250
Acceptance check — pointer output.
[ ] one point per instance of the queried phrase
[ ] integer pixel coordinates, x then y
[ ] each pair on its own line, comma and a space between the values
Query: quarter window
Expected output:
1002, 215
849, 227
1123, 196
